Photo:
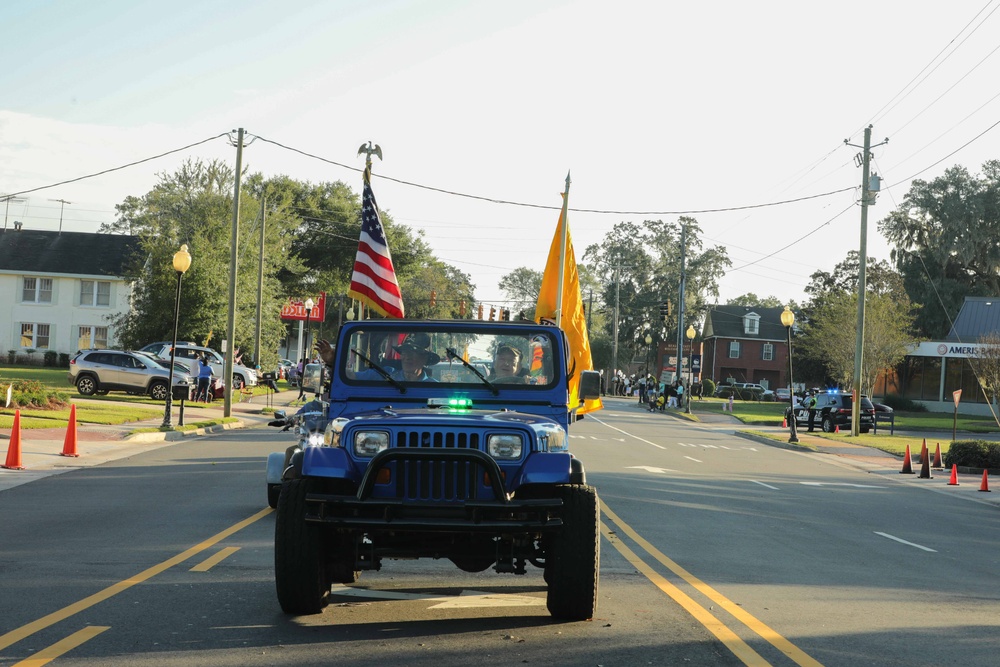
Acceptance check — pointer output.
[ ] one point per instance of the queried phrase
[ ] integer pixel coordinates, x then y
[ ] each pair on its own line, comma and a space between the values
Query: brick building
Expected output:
745, 344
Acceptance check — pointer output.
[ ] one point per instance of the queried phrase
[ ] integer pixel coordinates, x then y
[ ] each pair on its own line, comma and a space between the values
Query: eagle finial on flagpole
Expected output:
368, 150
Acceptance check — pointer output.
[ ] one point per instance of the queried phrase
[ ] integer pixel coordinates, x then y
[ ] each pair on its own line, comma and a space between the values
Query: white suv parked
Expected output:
242, 376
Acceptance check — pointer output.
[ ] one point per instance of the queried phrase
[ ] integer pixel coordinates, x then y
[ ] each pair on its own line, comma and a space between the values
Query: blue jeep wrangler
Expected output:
432, 452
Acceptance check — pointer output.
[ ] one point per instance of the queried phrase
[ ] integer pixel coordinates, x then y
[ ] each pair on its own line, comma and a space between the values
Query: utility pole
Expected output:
63, 203
859, 344
227, 404
260, 285
614, 345
680, 308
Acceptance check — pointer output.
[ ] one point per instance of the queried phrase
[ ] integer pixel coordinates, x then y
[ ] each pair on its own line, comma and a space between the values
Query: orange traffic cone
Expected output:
836, 428
907, 467
925, 468
923, 452
938, 465
985, 486
14, 449
954, 475
784, 423
69, 444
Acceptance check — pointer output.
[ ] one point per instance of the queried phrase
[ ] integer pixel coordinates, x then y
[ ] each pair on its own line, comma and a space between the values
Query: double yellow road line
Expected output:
721, 631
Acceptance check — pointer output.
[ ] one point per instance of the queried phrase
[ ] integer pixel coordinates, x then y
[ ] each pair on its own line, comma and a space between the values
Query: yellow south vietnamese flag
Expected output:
573, 320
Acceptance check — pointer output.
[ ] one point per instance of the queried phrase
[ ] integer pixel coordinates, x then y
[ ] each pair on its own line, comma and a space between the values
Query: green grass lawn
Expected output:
120, 407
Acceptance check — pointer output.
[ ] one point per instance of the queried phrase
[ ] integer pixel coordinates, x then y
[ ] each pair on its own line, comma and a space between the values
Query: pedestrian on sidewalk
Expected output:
204, 379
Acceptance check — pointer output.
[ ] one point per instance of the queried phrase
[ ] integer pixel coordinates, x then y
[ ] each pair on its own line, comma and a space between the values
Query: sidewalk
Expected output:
97, 443
885, 466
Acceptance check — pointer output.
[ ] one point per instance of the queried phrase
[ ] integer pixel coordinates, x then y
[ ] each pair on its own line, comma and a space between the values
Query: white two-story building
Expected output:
60, 290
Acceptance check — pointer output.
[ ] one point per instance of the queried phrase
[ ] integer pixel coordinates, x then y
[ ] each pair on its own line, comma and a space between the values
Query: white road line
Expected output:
773, 488
856, 486
626, 433
909, 544
650, 469
693, 459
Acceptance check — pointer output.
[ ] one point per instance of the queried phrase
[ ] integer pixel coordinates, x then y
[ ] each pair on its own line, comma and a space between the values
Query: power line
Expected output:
124, 166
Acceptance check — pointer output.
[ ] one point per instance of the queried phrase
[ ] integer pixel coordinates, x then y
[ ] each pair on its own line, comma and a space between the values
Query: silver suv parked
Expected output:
189, 352
101, 371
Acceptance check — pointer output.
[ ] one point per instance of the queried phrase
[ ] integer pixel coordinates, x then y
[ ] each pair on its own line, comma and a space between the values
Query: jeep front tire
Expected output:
300, 572
573, 556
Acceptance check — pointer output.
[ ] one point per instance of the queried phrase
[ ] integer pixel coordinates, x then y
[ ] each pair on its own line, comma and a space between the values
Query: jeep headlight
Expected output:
505, 445
552, 438
370, 443
331, 434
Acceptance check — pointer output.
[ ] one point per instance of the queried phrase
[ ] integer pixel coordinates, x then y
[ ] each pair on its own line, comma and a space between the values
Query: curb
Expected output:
161, 436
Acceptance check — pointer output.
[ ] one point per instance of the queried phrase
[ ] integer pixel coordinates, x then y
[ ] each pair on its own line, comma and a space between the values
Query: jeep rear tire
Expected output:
300, 575
573, 556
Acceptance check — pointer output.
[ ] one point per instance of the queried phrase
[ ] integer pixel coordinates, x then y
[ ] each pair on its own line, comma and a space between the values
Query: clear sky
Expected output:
653, 106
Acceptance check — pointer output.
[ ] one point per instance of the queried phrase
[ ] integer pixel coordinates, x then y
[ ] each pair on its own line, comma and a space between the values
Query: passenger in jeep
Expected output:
507, 365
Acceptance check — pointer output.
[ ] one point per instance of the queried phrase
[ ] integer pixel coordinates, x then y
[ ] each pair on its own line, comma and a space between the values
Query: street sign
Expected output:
295, 310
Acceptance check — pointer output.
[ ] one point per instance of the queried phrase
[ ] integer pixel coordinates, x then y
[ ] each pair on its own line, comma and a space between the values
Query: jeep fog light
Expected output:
505, 445
314, 440
552, 438
370, 443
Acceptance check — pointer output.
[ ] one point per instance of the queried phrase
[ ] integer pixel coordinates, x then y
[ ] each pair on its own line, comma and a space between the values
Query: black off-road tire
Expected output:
573, 556
273, 491
87, 385
300, 573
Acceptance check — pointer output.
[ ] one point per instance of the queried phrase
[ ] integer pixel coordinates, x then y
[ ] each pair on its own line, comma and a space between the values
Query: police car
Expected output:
833, 410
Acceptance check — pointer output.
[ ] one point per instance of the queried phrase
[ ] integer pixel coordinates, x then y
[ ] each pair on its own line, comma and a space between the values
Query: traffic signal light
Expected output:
665, 309
434, 298
493, 313
505, 314
480, 311
461, 308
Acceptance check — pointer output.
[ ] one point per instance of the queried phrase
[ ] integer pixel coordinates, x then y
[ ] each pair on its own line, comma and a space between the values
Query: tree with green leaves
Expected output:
985, 363
193, 206
751, 299
521, 287
646, 260
945, 242
831, 318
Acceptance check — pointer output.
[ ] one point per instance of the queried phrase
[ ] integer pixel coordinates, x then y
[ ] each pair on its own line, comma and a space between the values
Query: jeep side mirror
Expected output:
590, 385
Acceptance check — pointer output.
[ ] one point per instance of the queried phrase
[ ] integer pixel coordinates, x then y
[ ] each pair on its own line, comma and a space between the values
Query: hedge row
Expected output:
973, 454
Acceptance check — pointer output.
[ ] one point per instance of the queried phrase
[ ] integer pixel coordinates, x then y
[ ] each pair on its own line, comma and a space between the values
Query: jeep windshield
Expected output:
468, 356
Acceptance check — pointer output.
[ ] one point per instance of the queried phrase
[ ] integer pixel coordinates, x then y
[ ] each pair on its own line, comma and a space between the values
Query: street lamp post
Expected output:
182, 262
649, 342
787, 320
690, 333
308, 304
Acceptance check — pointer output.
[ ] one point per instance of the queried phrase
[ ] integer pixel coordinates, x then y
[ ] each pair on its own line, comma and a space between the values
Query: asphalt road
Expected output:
717, 551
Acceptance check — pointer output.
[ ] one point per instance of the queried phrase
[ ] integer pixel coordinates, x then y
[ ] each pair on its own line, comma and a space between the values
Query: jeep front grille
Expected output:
437, 480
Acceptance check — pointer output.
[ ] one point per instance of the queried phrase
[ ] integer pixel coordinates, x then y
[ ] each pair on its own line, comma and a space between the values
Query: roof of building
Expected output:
726, 321
980, 315
65, 252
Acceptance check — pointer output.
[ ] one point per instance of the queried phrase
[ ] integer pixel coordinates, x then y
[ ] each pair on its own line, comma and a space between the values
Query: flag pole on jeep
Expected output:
373, 281
561, 303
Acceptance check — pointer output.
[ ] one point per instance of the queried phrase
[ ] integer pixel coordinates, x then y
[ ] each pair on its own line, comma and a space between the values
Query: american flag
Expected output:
374, 278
